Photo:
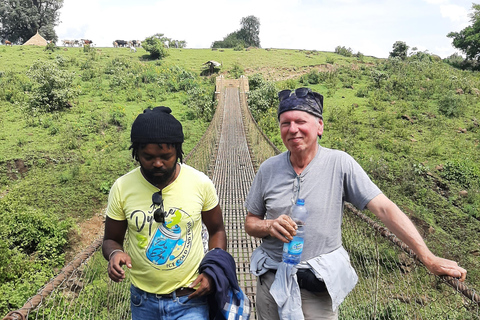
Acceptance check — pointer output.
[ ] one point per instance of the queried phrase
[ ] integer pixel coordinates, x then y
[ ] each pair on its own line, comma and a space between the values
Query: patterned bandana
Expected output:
302, 99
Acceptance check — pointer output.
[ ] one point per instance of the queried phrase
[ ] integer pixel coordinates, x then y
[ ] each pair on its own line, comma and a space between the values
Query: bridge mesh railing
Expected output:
393, 284
261, 148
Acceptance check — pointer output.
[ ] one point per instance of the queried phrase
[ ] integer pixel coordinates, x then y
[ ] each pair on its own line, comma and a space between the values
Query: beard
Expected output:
158, 177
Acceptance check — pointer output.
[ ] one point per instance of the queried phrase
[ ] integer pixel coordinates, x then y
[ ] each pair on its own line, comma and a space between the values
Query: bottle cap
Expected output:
301, 202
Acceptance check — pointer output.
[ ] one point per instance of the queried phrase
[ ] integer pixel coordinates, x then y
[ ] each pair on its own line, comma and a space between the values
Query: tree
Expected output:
230, 41
468, 40
247, 36
400, 50
250, 31
21, 19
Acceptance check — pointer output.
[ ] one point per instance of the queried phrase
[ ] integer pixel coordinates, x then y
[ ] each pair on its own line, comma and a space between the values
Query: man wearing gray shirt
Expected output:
325, 178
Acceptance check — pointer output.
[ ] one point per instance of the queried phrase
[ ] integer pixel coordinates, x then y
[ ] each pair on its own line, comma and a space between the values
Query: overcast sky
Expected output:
367, 26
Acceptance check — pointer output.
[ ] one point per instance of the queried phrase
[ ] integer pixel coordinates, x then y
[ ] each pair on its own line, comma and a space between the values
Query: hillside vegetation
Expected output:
65, 118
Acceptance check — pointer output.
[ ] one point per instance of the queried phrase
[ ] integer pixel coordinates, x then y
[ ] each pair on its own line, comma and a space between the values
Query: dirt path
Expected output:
88, 231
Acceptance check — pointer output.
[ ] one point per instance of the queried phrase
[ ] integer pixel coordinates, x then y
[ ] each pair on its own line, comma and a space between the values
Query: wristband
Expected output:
111, 253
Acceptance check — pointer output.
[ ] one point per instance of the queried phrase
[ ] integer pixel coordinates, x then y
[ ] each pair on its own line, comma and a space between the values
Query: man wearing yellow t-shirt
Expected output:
162, 204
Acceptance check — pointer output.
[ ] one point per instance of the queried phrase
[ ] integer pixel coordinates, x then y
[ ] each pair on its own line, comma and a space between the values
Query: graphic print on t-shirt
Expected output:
172, 241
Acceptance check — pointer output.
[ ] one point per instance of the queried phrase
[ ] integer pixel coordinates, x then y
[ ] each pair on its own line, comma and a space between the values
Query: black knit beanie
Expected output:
156, 125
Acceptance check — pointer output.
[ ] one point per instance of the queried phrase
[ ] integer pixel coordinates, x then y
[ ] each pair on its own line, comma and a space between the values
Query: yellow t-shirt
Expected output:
164, 256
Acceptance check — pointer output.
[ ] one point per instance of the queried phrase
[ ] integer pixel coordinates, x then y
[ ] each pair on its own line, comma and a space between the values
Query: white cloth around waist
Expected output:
333, 268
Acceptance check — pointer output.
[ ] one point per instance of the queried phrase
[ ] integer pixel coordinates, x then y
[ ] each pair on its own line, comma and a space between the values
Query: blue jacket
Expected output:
228, 301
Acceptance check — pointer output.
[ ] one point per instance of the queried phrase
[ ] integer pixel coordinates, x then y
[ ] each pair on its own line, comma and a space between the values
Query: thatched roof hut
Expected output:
36, 40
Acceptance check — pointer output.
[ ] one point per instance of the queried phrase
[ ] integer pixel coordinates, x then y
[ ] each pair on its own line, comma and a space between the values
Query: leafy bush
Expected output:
378, 76
88, 74
314, 77
344, 51
51, 47
236, 71
87, 48
362, 92
155, 47
451, 105
360, 56
400, 50
464, 172
52, 87
239, 47
256, 81
262, 99
330, 60
200, 103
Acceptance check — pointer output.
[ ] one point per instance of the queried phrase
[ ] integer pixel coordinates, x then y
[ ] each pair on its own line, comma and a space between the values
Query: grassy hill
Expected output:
413, 125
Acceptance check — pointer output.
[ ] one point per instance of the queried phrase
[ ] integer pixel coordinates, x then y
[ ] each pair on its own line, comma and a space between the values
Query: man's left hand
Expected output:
206, 286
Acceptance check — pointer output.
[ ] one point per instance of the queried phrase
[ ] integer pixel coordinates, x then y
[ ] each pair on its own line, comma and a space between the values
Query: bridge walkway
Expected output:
232, 175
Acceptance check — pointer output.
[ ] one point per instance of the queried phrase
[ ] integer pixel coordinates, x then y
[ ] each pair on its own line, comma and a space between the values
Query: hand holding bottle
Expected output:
292, 250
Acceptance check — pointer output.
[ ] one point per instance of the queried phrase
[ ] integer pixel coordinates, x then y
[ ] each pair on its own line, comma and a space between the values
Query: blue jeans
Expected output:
147, 306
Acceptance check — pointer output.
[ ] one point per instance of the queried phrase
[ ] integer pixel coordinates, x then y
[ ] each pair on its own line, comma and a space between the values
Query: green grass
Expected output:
72, 156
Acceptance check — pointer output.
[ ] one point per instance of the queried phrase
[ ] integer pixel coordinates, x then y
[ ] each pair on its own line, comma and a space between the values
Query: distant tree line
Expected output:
247, 36
348, 52
21, 19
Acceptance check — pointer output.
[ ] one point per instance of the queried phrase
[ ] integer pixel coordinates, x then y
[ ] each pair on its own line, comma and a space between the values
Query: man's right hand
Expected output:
283, 228
117, 260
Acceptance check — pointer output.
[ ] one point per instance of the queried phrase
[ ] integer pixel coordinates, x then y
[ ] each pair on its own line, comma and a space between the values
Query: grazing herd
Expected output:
132, 44
78, 43
124, 43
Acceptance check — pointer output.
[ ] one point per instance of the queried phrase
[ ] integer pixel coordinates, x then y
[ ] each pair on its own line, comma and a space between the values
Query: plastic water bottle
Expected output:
292, 251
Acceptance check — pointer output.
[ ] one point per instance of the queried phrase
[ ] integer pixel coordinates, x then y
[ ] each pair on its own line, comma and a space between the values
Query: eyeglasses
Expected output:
158, 214
300, 93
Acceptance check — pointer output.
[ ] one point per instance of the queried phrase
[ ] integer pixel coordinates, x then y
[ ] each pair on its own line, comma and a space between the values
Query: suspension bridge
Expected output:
393, 283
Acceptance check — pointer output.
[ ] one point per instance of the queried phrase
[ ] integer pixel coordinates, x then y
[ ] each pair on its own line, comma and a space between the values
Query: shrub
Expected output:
464, 172
239, 47
236, 71
378, 76
200, 103
360, 56
51, 47
86, 48
362, 92
256, 81
450, 105
330, 60
400, 50
52, 87
155, 47
344, 51
88, 74
61, 60
262, 99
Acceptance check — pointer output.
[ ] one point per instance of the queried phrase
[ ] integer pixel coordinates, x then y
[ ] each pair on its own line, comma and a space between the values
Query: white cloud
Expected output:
455, 13
436, 1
